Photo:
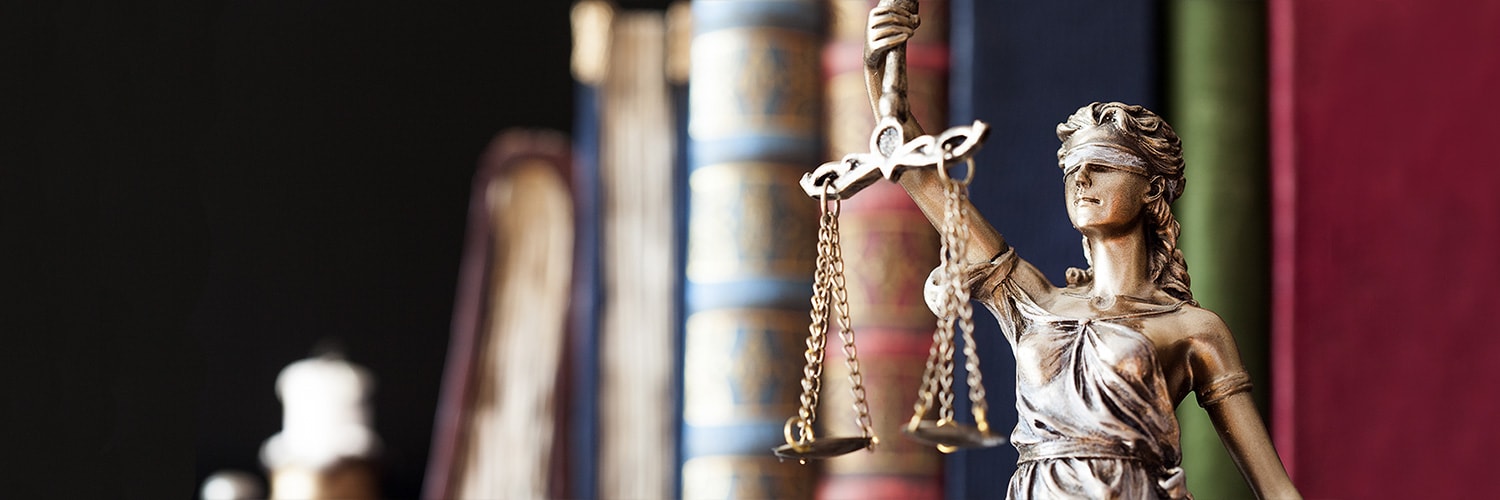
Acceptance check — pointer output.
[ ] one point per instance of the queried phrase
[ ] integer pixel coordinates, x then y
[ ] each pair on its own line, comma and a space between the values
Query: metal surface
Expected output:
823, 448
889, 158
949, 436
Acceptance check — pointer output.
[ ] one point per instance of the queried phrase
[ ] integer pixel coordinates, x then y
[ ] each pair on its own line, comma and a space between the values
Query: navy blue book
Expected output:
583, 368
583, 363
1023, 67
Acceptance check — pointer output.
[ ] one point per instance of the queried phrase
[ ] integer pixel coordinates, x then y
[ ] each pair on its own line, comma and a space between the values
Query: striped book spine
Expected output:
1217, 101
638, 319
754, 127
889, 247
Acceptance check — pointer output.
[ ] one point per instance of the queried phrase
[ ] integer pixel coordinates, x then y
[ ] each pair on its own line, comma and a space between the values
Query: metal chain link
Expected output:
937, 378
952, 262
846, 330
958, 294
928, 390
817, 330
829, 288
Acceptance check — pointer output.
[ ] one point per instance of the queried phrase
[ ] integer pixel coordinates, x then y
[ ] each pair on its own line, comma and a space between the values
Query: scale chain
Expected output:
846, 331
830, 295
952, 258
929, 379
812, 374
954, 311
959, 297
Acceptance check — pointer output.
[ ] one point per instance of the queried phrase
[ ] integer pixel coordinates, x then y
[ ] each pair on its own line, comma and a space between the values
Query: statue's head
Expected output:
1130, 135
1122, 165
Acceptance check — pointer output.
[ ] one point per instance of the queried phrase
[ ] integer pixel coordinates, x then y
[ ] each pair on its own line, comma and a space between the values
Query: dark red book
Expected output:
1387, 227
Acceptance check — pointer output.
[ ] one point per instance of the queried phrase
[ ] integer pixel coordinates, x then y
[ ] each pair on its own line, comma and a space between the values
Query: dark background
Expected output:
195, 194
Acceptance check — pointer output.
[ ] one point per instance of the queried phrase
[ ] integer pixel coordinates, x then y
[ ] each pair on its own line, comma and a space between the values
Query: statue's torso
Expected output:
1092, 401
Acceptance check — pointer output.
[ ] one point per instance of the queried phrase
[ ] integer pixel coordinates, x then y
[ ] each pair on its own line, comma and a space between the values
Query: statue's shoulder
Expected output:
1032, 279
1193, 325
1204, 330
1203, 321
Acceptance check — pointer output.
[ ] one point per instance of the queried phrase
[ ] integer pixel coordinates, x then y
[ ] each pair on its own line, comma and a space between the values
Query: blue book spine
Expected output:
583, 425
679, 231
754, 128
1023, 67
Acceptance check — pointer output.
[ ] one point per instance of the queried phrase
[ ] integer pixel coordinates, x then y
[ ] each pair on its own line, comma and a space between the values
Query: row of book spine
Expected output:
727, 361
755, 126
757, 115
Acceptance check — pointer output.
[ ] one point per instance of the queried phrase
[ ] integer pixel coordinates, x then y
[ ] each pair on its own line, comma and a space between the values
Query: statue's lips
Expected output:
1086, 200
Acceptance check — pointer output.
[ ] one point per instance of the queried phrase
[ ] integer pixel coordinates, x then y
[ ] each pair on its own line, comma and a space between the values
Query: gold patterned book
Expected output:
754, 128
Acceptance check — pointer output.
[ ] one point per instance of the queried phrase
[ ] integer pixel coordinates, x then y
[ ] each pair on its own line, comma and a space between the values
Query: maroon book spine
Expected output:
1386, 226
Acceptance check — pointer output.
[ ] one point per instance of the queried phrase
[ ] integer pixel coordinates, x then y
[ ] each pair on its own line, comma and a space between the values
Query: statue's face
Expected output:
1104, 198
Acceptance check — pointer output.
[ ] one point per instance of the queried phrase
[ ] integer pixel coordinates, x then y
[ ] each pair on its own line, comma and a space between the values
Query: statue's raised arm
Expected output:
890, 25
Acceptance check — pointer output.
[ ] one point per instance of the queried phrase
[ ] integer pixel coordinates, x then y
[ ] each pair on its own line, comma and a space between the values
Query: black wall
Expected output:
194, 194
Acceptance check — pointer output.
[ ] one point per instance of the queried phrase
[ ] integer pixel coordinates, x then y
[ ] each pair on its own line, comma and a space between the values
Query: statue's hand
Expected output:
888, 28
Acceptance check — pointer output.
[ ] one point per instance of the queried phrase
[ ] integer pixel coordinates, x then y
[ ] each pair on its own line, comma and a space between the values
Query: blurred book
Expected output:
629, 152
755, 110
1217, 102
1385, 231
499, 425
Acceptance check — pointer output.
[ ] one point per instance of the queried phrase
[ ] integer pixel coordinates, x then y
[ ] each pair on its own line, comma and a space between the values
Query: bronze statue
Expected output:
1103, 361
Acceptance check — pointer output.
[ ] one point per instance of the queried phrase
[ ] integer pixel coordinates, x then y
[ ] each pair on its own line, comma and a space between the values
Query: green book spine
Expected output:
1217, 95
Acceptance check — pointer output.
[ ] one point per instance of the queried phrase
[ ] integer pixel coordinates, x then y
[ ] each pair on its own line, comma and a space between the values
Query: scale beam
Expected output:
887, 159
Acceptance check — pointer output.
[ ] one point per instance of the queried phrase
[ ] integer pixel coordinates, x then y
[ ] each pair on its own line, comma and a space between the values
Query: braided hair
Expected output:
1144, 132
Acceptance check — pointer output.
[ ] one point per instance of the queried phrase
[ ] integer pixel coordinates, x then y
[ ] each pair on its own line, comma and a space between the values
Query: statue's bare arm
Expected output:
1234, 417
889, 28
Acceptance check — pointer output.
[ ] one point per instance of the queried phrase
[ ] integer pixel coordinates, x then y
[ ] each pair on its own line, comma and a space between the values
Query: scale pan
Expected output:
952, 435
823, 448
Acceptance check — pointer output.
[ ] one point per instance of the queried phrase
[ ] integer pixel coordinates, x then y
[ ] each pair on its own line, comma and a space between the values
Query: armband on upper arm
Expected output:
1223, 387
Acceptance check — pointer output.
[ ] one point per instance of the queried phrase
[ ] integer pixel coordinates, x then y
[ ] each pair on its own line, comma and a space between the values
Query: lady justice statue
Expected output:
1103, 361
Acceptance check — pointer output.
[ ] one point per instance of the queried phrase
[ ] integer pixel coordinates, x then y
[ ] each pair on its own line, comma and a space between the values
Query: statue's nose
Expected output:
1081, 177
